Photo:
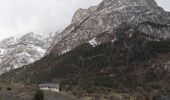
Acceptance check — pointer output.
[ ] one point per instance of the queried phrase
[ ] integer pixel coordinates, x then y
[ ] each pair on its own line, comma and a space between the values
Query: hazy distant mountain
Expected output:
16, 52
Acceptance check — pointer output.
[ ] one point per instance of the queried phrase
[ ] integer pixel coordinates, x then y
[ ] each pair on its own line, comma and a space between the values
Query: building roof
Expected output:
51, 85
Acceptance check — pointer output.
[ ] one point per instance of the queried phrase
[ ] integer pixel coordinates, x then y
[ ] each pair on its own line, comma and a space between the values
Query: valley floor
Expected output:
26, 93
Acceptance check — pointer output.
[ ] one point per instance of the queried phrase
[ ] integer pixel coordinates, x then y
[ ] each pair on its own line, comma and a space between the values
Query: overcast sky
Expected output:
23, 16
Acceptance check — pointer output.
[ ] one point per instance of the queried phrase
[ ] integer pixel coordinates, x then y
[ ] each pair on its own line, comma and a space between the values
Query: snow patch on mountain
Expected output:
94, 42
16, 52
101, 23
65, 51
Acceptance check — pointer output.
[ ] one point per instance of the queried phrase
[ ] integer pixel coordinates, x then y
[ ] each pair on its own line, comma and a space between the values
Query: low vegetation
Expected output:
9, 89
38, 95
123, 67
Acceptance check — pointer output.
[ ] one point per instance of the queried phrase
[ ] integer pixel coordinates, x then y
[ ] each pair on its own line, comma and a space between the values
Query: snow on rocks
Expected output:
16, 52
93, 42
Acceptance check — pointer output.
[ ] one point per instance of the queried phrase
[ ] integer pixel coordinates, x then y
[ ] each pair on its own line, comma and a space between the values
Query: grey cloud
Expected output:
22, 16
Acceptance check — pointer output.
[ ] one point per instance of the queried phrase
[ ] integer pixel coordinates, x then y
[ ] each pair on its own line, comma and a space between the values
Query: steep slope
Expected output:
106, 67
16, 52
144, 15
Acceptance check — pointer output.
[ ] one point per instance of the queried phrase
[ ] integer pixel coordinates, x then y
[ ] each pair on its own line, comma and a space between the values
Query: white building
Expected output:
50, 86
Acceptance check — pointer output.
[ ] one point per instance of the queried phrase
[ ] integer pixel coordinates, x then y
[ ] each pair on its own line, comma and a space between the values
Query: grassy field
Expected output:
27, 93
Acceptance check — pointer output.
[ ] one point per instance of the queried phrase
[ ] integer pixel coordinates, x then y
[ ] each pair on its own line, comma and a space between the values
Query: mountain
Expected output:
16, 52
119, 46
142, 15
105, 68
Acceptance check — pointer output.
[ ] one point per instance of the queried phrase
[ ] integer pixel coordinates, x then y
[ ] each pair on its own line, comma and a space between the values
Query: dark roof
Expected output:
51, 85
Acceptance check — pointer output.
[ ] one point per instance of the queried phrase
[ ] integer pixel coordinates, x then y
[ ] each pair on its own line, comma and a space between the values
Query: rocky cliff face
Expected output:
88, 25
16, 52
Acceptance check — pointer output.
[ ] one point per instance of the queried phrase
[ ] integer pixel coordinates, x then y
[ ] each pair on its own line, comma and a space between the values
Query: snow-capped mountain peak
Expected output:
101, 22
18, 51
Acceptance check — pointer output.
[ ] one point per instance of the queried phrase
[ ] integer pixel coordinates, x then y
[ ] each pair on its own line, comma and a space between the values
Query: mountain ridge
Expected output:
16, 52
143, 15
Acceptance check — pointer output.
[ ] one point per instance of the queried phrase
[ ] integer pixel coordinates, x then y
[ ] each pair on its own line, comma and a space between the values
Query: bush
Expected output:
39, 95
8, 89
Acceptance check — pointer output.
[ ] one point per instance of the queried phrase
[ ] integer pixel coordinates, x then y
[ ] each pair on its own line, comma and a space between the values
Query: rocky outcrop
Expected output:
142, 15
83, 14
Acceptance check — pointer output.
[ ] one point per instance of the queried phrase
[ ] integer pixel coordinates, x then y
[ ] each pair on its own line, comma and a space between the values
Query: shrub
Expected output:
8, 89
39, 95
